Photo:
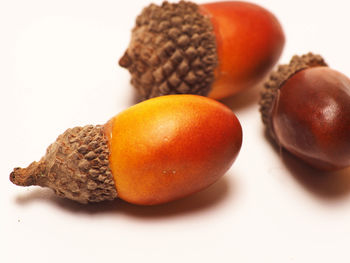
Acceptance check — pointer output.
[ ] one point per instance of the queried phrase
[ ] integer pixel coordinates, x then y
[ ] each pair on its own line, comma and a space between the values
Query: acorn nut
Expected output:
154, 152
305, 107
215, 49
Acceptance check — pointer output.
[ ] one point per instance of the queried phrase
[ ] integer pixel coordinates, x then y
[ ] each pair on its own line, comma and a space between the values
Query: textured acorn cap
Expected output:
278, 78
172, 51
75, 166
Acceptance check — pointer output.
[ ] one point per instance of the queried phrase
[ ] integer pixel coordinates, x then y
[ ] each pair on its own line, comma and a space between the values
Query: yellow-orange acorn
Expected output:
154, 152
215, 49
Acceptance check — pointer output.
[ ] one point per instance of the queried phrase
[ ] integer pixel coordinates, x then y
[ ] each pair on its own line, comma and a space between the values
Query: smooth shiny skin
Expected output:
311, 117
249, 42
171, 146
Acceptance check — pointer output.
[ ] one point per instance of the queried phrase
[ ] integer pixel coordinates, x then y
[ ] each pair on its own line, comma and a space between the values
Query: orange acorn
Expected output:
154, 152
215, 49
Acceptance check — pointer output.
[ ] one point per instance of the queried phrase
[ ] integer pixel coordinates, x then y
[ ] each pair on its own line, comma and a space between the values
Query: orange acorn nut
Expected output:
154, 152
306, 109
215, 49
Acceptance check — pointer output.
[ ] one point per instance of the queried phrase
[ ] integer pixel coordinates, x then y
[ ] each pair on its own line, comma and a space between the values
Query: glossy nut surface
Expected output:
168, 147
249, 41
311, 117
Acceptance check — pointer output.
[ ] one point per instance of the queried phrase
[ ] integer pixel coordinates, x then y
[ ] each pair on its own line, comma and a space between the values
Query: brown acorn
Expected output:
215, 49
305, 107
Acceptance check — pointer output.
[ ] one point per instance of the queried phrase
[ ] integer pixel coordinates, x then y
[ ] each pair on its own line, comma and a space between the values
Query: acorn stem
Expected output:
125, 61
75, 166
28, 176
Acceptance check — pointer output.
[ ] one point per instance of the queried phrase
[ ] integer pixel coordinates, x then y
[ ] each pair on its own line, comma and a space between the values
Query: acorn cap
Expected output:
278, 78
172, 51
75, 166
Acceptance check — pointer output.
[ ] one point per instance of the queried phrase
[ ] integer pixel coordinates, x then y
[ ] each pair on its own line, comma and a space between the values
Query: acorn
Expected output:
215, 49
154, 152
305, 107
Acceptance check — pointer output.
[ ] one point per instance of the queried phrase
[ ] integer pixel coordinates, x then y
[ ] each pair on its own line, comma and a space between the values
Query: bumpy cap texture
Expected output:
172, 51
75, 166
278, 78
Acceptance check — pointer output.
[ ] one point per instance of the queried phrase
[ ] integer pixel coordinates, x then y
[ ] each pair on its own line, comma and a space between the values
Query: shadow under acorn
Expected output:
326, 185
244, 98
197, 202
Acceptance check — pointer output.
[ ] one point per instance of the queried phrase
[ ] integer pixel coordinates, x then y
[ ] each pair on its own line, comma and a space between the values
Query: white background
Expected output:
58, 69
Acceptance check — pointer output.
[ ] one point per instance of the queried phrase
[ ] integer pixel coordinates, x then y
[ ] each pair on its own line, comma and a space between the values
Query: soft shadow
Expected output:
135, 96
241, 100
34, 195
322, 184
203, 200
244, 98
326, 185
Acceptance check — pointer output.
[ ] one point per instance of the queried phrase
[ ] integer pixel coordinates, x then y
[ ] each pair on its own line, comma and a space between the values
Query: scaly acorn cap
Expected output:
75, 166
172, 51
276, 81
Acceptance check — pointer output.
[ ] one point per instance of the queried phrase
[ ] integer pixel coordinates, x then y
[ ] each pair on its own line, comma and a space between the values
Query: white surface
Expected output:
58, 69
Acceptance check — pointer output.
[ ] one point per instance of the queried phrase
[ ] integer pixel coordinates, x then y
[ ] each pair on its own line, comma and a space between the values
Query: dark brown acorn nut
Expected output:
305, 107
